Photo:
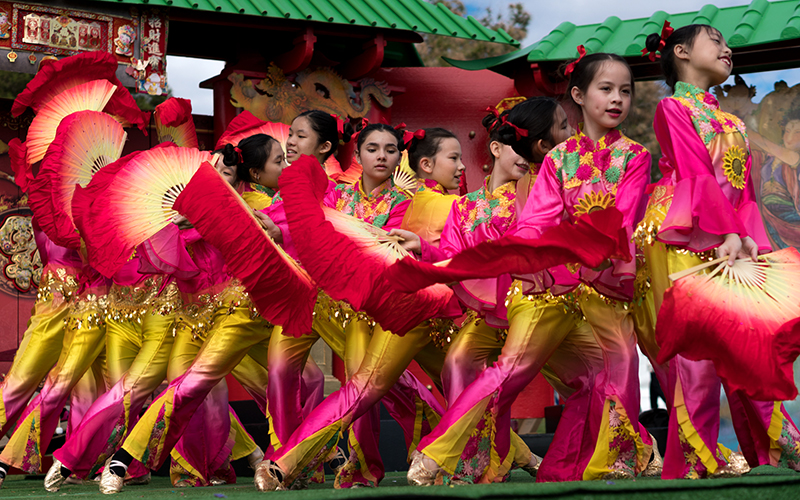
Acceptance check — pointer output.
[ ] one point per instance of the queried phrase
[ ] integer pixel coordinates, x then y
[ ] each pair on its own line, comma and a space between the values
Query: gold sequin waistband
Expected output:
132, 302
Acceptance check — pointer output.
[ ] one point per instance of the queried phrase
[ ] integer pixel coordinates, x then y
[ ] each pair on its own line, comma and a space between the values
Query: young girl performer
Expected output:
409, 402
236, 329
577, 176
465, 227
373, 365
709, 152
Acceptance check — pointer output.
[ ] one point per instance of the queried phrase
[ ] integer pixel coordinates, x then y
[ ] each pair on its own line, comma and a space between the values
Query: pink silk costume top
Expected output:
710, 154
474, 218
385, 207
55, 257
577, 177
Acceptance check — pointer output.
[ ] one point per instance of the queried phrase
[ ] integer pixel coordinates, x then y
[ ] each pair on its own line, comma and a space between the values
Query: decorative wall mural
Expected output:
22, 265
774, 133
276, 98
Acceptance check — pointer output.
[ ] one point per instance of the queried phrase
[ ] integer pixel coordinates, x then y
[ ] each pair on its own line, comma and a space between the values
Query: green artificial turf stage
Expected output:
762, 483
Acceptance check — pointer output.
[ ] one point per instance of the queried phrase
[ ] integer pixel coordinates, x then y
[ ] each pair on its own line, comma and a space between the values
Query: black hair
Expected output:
379, 127
535, 114
586, 69
682, 36
256, 150
428, 146
324, 125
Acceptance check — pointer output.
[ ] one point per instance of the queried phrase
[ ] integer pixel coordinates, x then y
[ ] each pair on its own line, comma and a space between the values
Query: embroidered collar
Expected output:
430, 185
694, 93
509, 189
385, 185
588, 145
263, 189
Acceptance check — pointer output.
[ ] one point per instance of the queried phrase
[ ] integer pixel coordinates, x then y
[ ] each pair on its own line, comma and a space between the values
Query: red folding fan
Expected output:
85, 142
283, 293
348, 268
174, 122
131, 200
92, 96
735, 316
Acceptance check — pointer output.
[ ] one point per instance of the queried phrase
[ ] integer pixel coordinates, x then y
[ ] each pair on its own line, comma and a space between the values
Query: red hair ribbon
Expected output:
492, 110
339, 125
409, 136
519, 131
239, 154
666, 31
571, 66
401, 126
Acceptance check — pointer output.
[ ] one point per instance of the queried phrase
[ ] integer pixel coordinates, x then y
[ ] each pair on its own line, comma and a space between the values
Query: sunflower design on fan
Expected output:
733, 165
593, 201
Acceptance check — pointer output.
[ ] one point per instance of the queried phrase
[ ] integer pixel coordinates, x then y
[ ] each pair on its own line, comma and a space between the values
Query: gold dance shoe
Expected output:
53, 480
110, 483
533, 469
269, 477
418, 474
656, 465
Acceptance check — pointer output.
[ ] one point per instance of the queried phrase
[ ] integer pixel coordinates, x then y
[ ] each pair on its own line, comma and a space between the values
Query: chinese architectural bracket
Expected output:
299, 57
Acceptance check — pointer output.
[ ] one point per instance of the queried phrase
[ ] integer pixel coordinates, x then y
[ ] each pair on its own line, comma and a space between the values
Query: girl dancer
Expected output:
465, 227
409, 402
236, 329
589, 170
709, 152
375, 358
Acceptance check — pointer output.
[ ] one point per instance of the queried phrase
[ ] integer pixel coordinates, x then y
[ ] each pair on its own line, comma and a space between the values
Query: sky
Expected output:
185, 74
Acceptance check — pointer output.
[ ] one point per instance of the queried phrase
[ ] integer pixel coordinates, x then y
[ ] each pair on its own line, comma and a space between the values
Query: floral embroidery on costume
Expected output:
592, 201
430, 185
622, 448
790, 445
478, 451
734, 166
272, 193
374, 207
482, 207
578, 160
694, 468
708, 119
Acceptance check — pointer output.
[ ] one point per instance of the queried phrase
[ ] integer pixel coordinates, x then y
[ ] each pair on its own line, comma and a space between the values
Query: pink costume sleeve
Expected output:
396, 216
165, 253
277, 213
617, 280
545, 205
700, 213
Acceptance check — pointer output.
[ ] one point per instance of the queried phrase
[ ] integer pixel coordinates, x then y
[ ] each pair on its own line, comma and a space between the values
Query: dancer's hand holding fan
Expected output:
131, 200
85, 142
283, 293
739, 317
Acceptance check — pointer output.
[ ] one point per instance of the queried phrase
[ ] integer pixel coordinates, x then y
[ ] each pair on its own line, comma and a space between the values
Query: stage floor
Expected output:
762, 483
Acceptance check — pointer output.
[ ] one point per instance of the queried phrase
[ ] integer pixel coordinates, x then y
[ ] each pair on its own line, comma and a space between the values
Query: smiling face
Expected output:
711, 56
607, 99
379, 156
508, 165
445, 167
303, 140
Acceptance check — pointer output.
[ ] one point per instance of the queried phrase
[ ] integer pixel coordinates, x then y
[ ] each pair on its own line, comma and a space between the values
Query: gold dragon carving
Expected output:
277, 99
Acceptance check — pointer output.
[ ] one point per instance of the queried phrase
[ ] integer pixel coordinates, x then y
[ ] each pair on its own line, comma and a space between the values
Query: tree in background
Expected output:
515, 23
639, 124
148, 102
11, 84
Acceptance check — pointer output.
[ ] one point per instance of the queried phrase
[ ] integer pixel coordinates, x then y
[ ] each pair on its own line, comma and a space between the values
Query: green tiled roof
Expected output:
761, 22
409, 15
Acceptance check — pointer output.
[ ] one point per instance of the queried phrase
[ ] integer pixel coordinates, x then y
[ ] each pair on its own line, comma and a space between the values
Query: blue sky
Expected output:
185, 74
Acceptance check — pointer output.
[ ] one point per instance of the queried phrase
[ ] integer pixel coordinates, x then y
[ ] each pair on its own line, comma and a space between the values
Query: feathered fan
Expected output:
350, 269
136, 202
85, 142
282, 292
734, 315
174, 122
92, 96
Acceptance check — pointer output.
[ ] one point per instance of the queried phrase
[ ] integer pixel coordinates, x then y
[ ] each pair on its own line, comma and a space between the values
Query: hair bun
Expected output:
229, 155
653, 42
347, 132
490, 121
507, 134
